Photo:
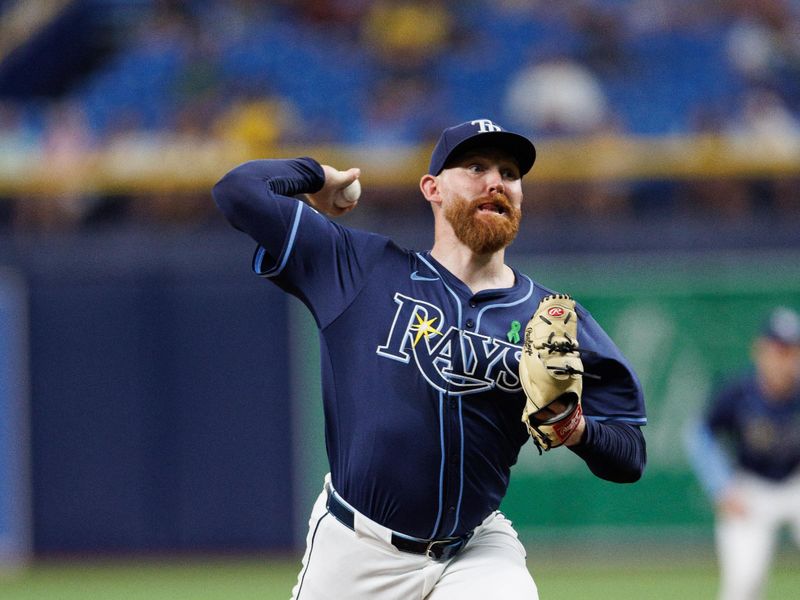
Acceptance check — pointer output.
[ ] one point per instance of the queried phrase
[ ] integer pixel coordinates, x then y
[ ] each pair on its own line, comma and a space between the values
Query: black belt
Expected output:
443, 549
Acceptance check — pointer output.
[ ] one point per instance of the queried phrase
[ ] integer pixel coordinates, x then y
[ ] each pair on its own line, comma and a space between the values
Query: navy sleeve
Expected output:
613, 391
720, 416
302, 251
256, 197
613, 450
613, 445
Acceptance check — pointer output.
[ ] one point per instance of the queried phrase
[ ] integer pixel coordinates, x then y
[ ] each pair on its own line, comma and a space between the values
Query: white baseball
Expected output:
349, 195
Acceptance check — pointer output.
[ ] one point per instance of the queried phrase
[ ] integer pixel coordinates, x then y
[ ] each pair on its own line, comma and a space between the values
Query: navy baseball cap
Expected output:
481, 132
783, 325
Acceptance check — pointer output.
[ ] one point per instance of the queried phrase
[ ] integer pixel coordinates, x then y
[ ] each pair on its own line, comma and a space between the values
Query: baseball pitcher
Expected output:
437, 367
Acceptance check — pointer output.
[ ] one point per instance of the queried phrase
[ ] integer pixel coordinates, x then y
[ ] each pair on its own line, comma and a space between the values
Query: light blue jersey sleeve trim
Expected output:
261, 253
708, 458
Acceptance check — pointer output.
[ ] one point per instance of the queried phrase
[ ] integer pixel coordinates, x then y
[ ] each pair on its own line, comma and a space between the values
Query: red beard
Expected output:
481, 232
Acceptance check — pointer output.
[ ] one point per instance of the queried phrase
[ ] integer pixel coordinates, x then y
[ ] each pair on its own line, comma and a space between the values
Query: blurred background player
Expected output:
746, 452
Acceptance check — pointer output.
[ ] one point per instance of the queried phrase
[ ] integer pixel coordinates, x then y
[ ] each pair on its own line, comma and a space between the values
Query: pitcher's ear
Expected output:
429, 185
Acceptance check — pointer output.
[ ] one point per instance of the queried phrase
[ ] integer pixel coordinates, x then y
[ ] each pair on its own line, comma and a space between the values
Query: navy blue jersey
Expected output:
421, 392
763, 435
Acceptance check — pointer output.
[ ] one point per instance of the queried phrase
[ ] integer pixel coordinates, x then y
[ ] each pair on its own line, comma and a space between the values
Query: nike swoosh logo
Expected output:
417, 277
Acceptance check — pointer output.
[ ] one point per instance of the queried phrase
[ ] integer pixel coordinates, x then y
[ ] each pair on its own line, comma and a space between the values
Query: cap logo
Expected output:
485, 125
481, 133
555, 311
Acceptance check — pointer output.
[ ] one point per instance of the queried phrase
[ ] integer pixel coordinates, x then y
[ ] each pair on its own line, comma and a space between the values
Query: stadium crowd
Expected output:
392, 72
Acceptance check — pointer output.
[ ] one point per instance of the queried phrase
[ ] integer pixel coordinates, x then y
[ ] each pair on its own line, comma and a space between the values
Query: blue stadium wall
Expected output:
175, 405
159, 413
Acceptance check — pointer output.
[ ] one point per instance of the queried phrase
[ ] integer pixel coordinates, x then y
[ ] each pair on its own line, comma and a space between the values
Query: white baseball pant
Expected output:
746, 543
342, 563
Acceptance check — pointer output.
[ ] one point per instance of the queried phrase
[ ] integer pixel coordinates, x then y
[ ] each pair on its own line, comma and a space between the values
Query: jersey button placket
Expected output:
453, 464
470, 322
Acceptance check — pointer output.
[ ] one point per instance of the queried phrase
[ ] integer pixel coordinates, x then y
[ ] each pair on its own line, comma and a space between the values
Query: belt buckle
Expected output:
449, 548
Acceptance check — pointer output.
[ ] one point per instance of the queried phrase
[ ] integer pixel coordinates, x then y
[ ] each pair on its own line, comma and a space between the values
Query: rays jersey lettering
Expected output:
451, 359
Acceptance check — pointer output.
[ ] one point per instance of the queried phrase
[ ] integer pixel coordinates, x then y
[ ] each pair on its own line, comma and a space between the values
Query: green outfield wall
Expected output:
685, 321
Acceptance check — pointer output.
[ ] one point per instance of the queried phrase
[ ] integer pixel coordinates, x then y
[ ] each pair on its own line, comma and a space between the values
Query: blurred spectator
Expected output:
407, 34
65, 164
403, 110
557, 96
18, 140
257, 123
601, 31
764, 128
763, 46
199, 79
19, 145
67, 137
